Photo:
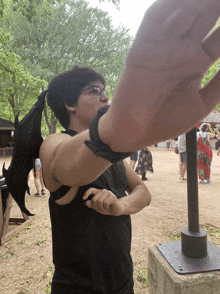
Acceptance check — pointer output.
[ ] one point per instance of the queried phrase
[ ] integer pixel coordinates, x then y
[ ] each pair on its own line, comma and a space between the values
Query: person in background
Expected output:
183, 157
168, 144
176, 150
145, 163
133, 159
217, 144
204, 158
38, 178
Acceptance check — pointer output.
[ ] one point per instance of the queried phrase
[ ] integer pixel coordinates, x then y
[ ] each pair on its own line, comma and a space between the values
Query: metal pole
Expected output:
194, 239
192, 181
191, 255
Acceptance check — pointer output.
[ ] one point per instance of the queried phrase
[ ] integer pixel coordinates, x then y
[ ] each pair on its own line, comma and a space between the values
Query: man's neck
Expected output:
77, 125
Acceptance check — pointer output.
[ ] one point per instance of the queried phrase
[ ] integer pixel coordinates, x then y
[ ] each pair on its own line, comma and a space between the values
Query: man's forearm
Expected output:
127, 126
138, 199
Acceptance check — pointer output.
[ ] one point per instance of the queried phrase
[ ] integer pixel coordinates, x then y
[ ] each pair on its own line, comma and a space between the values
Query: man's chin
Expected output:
104, 104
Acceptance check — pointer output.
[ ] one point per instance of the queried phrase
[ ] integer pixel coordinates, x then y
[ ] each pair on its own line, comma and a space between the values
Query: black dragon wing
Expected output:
27, 142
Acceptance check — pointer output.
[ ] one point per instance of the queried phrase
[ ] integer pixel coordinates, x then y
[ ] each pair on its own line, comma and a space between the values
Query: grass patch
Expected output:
142, 277
48, 288
41, 242
49, 274
213, 234
177, 237
172, 236
21, 242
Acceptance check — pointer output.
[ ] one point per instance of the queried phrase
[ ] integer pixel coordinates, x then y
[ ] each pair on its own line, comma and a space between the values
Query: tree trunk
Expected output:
53, 121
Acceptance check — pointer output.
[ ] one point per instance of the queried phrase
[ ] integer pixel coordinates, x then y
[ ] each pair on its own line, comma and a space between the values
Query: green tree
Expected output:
16, 85
2, 6
211, 72
73, 34
32, 8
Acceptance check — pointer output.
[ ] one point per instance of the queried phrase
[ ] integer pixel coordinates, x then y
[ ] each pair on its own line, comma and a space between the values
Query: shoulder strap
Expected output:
70, 132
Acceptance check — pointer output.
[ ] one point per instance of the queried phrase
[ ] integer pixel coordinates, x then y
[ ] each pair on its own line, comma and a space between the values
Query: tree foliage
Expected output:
16, 85
32, 8
74, 34
71, 34
41, 38
2, 6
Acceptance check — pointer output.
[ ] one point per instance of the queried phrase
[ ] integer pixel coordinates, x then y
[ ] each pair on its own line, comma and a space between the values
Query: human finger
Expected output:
205, 20
189, 23
211, 44
109, 201
176, 17
98, 201
92, 203
210, 93
89, 192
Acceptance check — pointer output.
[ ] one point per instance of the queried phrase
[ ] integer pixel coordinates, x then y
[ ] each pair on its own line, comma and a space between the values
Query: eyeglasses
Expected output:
95, 90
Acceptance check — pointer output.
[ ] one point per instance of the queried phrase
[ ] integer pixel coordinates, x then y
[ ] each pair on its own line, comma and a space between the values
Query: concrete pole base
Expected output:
164, 280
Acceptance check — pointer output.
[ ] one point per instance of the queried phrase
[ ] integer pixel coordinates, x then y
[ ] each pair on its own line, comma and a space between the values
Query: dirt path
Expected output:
26, 263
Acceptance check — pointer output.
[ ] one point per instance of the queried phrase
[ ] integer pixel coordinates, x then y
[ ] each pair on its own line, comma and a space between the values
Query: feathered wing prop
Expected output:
27, 142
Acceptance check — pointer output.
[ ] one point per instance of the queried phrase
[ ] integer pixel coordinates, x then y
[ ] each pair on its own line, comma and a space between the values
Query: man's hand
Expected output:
173, 48
103, 201
161, 82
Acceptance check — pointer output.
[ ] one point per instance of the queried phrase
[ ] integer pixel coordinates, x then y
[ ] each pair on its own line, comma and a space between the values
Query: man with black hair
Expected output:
158, 97
89, 206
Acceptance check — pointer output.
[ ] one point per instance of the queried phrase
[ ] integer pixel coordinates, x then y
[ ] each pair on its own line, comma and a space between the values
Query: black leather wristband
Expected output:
99, 148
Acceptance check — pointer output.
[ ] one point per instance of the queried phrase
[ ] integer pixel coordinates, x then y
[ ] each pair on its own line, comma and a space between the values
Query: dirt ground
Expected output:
26, 261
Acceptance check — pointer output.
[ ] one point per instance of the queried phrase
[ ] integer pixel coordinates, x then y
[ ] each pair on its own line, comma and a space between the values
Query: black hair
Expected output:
204, 128
67, 87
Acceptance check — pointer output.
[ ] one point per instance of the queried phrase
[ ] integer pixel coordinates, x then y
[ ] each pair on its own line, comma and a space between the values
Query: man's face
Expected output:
90, 100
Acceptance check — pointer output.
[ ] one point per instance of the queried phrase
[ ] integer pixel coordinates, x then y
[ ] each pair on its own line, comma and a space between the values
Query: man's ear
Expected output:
70, 108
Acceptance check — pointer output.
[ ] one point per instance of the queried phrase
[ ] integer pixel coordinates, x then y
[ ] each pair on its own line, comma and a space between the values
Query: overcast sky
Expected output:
130, 14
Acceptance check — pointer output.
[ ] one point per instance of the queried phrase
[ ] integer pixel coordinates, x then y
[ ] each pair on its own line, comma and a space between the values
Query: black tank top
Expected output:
91, 250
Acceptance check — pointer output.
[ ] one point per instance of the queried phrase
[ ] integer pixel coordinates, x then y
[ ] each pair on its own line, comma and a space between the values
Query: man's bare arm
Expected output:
139, 195
67, 161
159, 94
105, 202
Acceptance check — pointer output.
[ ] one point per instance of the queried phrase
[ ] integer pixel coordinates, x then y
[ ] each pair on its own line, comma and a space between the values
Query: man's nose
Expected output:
104, 98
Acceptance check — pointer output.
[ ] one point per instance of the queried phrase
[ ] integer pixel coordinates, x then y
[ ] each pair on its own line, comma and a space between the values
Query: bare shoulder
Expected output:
53, 140
50, 144
66, 160
48, 152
